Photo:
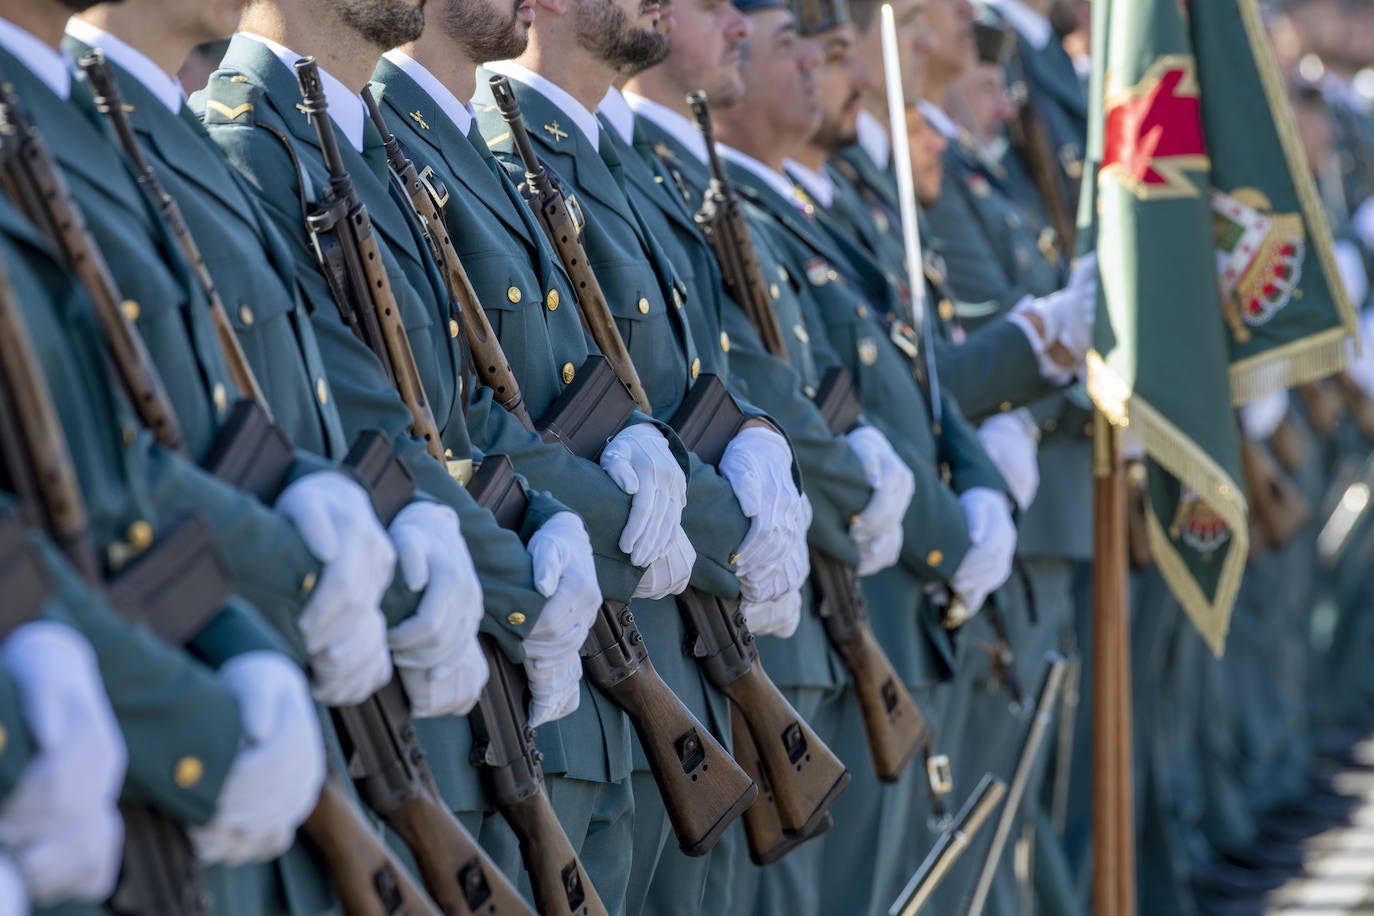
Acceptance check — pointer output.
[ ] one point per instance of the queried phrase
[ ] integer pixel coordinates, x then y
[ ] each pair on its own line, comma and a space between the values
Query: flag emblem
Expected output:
1154, 131
1259, 258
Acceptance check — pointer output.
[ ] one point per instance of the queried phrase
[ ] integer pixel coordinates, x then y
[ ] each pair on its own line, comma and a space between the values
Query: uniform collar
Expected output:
48, 64
1031, 25
939, 120
819, 186
873, 138
345, 105
616, 112
460, 113
166, 89
556, 95
775, 180
670, 122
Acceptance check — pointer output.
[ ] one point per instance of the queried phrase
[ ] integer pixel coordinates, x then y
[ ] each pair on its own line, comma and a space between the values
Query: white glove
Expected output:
1261, 417
1066, 318
774, 618
993, 537
670, 573
276, 777
342, 623
877, 531
452, 685
772, 557
1009, 439
565, 574
434, 559
61, 824
640, 462
14, 897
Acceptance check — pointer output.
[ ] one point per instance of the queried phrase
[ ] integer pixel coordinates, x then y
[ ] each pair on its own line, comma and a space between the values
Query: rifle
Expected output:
1278, 509
1033, 144
1358, 404
949, 847
721, 220
892, 721
703, 790
556, 216
999, 654
1030, 751
387, 761
1325, 407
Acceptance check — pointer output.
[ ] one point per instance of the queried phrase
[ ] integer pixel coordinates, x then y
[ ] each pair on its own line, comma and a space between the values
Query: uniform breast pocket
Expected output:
259, 305
513, 301
647, 327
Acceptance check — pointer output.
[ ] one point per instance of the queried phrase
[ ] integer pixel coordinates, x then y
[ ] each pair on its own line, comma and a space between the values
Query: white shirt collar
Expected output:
459, 112
775, 180
1032, 26
346, 107
819, 186
617, 112
582, 119
681, 128
939, 120
166, 89
46, 63
873, 138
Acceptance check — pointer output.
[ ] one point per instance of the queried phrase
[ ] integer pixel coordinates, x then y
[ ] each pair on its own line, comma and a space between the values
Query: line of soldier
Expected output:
957, 493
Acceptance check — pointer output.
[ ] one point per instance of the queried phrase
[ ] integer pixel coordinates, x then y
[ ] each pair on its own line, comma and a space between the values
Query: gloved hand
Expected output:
565, 574
276, 777
877, 532
1261, 417
435, 560
342, 622
640, 462
772, 557
61, 824
993, 537
14, 897
1065, 319
670, 573
1010, 441
778, 617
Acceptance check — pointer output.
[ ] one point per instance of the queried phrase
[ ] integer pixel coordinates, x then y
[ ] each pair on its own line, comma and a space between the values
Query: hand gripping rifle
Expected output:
703, 789
894, 725
385, 757
800, 774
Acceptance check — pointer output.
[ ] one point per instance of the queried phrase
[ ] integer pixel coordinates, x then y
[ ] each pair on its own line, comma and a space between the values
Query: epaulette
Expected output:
229, 98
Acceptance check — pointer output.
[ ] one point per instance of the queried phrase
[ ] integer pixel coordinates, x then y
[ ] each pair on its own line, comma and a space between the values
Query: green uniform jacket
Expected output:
646, 297
935, 536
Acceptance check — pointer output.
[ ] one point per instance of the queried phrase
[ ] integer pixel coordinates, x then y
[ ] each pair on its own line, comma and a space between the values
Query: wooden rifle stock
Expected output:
703, 791
559, 224
721, 220
1277, 507
763, 831
37, 188
1325, 407
346, 245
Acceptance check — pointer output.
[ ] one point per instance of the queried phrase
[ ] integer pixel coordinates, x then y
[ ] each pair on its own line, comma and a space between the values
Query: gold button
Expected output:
321, 391
220, 397
861, 310
188, 772
130, 434
643, 306
568, 372
1004, 406
831, 275
935, 558
515, 618
245, 314
130, 308
1050, 425
677, 298
139, 535
725, 341
513, 294
696, 368
448, 453
774, 291
551, 300
946, 310
453, 327
801, 334
308, 583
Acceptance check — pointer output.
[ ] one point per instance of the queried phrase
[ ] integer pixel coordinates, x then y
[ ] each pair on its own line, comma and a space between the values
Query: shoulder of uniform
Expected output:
230, 97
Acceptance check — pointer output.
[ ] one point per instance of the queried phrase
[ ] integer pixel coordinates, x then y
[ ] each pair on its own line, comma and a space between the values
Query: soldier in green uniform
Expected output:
706, 39
671, 326
776, 118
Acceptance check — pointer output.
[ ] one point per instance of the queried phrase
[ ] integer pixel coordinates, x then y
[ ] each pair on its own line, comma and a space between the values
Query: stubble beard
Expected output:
384, 23
484, 37
606, 31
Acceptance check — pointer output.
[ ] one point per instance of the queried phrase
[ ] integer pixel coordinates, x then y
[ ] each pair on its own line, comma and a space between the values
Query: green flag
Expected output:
1218, 284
